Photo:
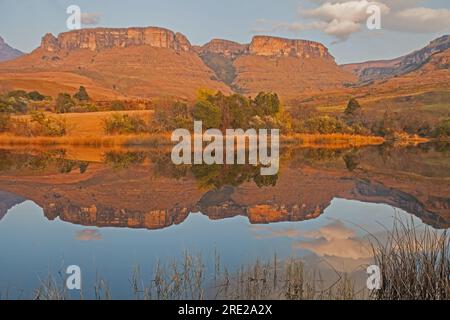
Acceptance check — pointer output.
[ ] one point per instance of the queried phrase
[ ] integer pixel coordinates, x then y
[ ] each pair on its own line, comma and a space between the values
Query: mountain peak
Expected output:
7, 52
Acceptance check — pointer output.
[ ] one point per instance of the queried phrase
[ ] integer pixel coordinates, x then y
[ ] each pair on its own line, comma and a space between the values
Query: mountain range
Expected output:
156, 62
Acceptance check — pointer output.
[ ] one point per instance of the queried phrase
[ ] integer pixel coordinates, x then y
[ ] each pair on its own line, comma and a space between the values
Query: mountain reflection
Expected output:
143, 189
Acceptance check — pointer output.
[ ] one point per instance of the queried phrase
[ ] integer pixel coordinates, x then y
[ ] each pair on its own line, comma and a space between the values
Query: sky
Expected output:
406, 25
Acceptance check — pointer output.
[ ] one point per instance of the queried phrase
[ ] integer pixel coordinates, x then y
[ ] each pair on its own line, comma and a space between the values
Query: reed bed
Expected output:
414, 264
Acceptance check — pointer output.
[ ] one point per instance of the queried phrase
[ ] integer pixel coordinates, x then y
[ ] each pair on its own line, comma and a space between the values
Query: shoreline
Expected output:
163, 139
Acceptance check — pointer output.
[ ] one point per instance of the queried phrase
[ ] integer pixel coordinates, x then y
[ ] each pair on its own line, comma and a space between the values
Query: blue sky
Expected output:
406, 24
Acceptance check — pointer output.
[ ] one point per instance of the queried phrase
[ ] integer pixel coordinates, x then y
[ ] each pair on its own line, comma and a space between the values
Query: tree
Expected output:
208, 113
267, 104
64, 103
352, 106
35, 96
82, 94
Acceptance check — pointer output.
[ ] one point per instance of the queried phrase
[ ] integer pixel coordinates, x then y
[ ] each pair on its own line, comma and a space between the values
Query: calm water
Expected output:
109, 211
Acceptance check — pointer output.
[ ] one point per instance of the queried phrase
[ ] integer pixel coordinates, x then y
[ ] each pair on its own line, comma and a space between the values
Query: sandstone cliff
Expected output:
280, 47
102, 38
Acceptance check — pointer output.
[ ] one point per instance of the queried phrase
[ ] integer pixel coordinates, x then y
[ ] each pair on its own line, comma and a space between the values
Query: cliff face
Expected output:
280, 47
229, 49
101, 38
268, 47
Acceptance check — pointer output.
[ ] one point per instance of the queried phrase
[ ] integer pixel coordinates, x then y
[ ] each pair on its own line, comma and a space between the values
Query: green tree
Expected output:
35, 96
267, 104
352, 107
208, 113
64, 103
82, 94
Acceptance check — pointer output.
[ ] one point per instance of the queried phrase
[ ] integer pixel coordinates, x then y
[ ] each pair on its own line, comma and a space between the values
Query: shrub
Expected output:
38, 125
64, 103
117, 106
326, 125
87, 107
352, 106
49, 126
443, 129
172, 116
124, 124
5, 120
82, 94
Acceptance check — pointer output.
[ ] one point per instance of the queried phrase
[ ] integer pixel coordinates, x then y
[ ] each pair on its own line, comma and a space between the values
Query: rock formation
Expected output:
280, 47
102, 38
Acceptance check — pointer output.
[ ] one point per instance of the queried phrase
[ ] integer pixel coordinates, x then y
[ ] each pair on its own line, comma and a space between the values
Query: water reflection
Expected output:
143, 189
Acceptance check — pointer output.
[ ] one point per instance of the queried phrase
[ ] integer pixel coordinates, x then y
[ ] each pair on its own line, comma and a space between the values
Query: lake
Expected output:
111, 211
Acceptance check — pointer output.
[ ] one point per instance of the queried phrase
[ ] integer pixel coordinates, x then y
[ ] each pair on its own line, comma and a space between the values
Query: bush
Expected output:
117, 106
64, 103
352, 107
87, 107
173, 116
326, 125
5, 120
124, 124
443, 129
82, 94
39, 125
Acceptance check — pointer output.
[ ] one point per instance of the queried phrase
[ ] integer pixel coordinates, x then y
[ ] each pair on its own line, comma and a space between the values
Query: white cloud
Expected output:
341, 19
90, 18
420, 20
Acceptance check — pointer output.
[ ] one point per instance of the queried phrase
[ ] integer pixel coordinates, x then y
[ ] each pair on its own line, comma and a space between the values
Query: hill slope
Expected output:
112, 63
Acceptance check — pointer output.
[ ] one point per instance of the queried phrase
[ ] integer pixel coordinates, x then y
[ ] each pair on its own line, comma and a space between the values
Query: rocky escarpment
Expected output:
280, 47
375, 70
7, 52
269, 47
102, 38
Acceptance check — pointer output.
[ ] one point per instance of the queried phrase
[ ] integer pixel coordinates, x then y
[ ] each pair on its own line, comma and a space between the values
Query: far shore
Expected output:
164, 139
